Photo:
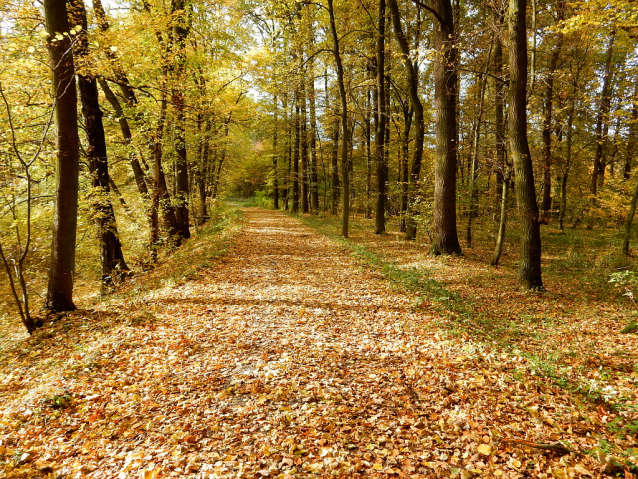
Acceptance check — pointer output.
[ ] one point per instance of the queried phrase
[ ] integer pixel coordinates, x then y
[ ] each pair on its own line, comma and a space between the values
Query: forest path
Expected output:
288, 358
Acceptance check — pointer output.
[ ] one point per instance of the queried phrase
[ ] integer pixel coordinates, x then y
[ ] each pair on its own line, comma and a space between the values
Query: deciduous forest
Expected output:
295, 238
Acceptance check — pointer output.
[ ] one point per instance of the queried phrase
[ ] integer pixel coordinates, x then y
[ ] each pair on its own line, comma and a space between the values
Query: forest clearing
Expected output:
291, 356
317, 238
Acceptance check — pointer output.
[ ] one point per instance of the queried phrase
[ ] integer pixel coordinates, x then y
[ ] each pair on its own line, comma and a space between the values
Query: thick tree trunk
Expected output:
417, 107
344, 123
62, 264
445, 237
381, 115
529, 275
111, 255
180, 30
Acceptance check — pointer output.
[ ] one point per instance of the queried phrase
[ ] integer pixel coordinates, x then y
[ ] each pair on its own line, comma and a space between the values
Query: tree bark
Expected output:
473, 199
628, 221
111, 255
417, 107
297, 147
529, 275
120, 75
303, 173
633, 135
62, 264
314, 175
546, 204
180, 30
500, 239
499, 107
344, 123
275, 172
602, 120
138, 173
382, 166
445, 237
336, 184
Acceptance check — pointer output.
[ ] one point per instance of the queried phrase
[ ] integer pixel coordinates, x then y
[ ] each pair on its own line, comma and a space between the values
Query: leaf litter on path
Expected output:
284, 359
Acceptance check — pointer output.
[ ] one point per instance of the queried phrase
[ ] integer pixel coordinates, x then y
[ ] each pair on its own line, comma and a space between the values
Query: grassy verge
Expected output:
460, 316
188, 261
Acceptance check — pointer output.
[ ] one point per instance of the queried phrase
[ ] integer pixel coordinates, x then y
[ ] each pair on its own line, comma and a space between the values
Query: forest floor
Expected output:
275, 351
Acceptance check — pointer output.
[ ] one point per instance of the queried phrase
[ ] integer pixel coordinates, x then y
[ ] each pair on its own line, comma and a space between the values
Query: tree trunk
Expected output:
417, 107
403, 174
297, 147
111, 255
344, 123
336, 184
62, 264
120, 75
633, 135
204, 171
371, 103
275, 172
138, 173
546, 205
288, 160
500, 240
628, 222
473, 199
303, 173
529, 275
314, 176
602, 120
382, 167
180, 29
161, 201
445, 237
499, 106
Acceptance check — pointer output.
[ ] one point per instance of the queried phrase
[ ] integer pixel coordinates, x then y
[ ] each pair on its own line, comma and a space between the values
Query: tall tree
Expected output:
602, 119
381, 116
445, 240
529, 275
419, 132
548, 106
345, 138
179, 31
62, 266
111, 255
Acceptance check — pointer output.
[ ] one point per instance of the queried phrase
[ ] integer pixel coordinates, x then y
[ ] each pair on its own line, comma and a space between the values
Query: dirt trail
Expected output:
288, 359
